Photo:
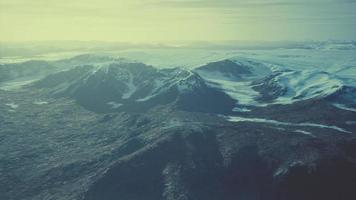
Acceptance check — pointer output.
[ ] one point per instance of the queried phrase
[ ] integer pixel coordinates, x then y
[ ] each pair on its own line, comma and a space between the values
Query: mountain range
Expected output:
96, 127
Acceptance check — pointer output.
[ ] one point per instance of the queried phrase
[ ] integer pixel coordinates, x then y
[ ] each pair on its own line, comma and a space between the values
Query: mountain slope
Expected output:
229, 165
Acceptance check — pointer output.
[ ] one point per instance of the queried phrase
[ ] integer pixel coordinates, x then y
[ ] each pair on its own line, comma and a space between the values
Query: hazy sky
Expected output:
171, 20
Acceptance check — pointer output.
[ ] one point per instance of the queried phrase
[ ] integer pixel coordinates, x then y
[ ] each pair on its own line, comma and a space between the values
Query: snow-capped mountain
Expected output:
221, 86
104, 83
260, 84
289, 86
135, 87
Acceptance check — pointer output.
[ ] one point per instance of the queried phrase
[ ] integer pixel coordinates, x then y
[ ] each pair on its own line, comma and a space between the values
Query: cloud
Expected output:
67, 8
242, 3
176, 19
218, 3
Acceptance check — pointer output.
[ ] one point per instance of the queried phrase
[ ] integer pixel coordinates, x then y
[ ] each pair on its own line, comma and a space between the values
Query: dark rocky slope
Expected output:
233, 162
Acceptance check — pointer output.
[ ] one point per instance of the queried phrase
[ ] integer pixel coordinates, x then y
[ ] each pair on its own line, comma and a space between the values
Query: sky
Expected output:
139, 21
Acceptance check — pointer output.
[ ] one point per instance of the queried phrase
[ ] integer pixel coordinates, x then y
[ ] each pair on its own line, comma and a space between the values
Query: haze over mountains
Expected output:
180, 124
33, 49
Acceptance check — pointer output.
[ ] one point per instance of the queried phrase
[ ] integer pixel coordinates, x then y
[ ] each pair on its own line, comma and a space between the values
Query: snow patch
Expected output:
303, 132
40, 102
114, 105
145, 98
239, 109
280, 171
12, 105
268, 121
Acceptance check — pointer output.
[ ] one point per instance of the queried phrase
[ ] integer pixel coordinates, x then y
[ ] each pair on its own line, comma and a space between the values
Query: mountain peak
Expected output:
226, 68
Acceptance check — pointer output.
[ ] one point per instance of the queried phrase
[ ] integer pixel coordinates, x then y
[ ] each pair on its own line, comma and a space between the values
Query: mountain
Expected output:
258, 84
102, 128
331, 45
135, 87
89, 59
289, 86
225, 68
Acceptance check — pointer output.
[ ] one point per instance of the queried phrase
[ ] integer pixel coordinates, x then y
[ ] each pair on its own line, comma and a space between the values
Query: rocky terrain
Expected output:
101, 128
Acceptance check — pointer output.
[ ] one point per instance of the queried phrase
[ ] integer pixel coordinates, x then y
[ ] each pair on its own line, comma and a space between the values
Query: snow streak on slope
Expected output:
343, 107
183, 80
241, 91
131, 87
268, 121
